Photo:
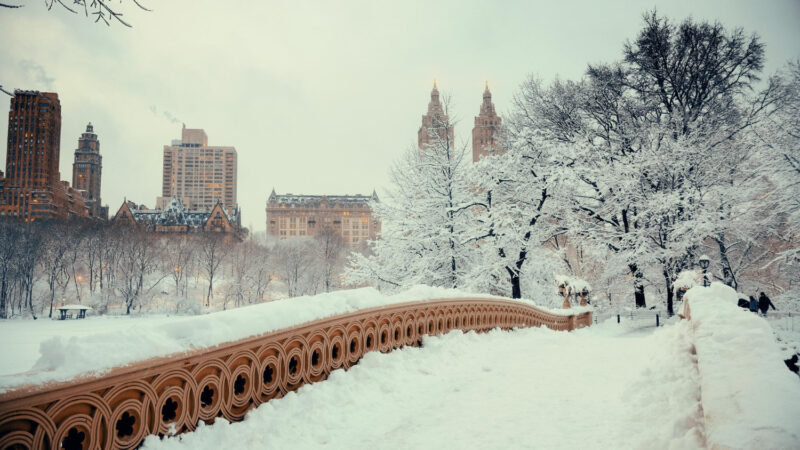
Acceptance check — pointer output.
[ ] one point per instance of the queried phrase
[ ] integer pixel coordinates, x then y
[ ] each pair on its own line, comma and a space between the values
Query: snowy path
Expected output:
602, 387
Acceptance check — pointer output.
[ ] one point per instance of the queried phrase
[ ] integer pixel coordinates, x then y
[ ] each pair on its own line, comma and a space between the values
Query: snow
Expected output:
572, 284
750, 399
687, 279
57, 351
72, 307
608, 386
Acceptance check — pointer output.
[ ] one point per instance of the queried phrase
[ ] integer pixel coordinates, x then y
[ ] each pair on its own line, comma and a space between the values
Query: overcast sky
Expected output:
317, 97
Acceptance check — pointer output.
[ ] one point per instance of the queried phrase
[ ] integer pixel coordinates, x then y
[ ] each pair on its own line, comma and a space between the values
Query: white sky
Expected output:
316, 96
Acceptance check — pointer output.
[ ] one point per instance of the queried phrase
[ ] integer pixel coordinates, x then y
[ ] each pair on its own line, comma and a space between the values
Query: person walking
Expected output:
764, 304
753, 304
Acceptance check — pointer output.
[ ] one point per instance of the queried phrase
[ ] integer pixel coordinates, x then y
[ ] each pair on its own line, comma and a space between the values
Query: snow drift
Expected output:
750, 400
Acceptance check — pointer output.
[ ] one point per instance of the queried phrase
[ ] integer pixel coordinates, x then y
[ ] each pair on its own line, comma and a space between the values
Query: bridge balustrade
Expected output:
170, 395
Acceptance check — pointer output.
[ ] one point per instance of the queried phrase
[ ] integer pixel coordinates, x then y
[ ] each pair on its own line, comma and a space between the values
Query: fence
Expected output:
171, 394
642, 317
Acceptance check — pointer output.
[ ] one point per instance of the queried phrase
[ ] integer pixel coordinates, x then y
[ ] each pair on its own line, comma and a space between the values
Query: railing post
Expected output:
617, 318
656, 319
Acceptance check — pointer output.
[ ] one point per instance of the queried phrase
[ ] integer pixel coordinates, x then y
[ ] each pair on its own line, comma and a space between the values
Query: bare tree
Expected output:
9, 249
293, 258
138, 258
30, 251
179, 255
101, 10
53, 261
214, 249
241, 265
329, 248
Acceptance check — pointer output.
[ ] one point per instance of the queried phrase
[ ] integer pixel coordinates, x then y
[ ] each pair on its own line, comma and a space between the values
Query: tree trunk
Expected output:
727, 273
30, 299
516, 289
3, 291
210, 289
638, 287
668, 282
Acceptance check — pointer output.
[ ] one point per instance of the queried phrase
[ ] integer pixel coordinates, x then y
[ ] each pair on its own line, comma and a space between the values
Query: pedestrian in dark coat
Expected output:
764, 303
753, 304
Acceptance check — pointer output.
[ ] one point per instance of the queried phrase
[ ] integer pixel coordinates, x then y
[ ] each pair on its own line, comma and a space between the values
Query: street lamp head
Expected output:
704, 262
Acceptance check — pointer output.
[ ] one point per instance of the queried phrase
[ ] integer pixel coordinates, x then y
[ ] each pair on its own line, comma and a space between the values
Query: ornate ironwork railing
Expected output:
171, 394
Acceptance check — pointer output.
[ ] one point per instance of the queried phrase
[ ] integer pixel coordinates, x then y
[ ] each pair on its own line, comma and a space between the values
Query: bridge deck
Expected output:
602, 387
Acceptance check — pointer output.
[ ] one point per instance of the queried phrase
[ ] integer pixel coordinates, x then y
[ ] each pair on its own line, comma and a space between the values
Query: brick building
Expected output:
350, 216
32, 188
435, 123
198, 174
486, 131
87, 171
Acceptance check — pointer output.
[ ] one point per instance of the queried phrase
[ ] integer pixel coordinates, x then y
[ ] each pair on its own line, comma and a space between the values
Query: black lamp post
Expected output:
704, 263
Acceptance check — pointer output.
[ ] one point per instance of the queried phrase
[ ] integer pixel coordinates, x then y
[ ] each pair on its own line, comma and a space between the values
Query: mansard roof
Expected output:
314, 201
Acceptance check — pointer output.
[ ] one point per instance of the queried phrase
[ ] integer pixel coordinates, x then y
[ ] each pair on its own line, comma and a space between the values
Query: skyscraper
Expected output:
33, 188
485, 133
86, 172
198, 174
435, 123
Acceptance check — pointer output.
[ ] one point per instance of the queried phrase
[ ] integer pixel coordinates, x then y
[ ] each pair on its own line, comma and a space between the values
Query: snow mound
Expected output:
750, 399
63, 357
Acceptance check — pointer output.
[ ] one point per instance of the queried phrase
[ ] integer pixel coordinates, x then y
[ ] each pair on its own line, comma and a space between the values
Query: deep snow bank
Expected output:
750, 400
64, 357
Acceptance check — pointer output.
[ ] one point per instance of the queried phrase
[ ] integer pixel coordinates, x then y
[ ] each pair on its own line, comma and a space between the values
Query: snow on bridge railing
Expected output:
169, 395
749, 398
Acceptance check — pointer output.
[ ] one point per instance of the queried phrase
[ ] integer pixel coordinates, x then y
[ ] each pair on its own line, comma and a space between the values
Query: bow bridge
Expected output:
169, 395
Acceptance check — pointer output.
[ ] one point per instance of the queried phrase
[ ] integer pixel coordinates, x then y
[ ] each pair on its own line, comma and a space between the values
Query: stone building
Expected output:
87, 171
350, 216
198, 174
176, 218
32, 188
435, 123
486, 131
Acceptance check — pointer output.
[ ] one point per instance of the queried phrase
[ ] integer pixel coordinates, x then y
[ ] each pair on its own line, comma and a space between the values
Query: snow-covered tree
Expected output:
518, 209
427, 235
655, 141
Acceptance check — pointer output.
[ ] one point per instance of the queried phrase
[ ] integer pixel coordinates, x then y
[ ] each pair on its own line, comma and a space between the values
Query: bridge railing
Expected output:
169, 395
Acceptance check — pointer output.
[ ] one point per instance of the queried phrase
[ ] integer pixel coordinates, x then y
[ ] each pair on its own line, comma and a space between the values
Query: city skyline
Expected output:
315, 112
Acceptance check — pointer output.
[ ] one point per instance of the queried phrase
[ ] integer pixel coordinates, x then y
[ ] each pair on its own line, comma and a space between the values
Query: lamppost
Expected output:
704, 263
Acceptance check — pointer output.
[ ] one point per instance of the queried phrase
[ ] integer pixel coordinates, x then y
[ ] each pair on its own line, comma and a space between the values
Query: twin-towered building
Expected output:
350, 216
436, 128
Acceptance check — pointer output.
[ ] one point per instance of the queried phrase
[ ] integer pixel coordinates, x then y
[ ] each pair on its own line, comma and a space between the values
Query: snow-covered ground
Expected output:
48, 350
608, 386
